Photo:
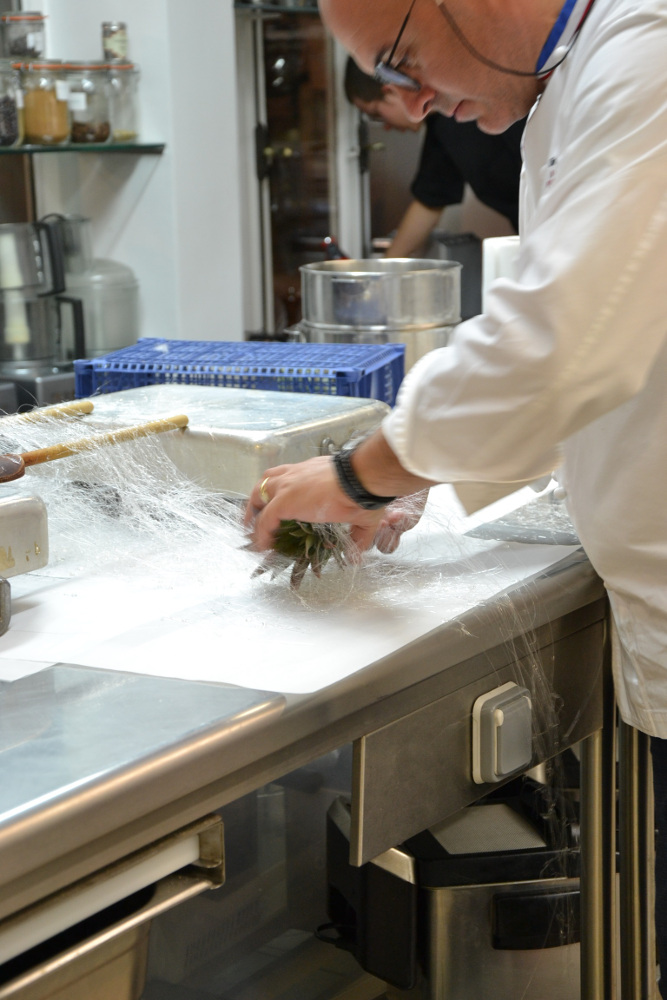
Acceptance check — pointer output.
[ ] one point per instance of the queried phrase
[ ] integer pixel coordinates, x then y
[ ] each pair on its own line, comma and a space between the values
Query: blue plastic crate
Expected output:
362, 370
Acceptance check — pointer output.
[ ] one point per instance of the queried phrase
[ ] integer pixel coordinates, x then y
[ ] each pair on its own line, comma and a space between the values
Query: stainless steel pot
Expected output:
392, 293
418, 341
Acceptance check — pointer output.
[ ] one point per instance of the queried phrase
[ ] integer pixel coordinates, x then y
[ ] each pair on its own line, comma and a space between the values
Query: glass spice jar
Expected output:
11, 105
46, 112
22, 35
114, 40
88, 100
124, 84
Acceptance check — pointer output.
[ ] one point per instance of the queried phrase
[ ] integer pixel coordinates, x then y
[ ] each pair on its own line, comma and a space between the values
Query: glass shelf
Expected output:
266, 7
87, 147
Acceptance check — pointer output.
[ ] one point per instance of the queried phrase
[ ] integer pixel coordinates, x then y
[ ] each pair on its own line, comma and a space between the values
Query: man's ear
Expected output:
389, 91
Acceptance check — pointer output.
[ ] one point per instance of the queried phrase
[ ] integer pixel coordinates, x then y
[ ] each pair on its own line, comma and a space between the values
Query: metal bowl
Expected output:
391, 293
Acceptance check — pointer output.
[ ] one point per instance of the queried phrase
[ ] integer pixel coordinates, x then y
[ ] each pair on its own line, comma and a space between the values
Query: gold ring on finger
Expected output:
263, 495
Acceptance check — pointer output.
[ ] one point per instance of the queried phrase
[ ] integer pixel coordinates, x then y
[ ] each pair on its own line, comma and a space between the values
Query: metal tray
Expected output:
233, 435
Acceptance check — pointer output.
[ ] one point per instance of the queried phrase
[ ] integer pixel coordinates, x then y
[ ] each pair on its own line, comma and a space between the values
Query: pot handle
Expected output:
78, 323
50, 226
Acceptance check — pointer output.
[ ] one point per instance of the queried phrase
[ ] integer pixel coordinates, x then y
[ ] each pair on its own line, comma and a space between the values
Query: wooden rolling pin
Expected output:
14, 466
59, 410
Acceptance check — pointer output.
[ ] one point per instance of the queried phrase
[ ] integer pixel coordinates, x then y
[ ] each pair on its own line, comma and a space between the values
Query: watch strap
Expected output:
351, 486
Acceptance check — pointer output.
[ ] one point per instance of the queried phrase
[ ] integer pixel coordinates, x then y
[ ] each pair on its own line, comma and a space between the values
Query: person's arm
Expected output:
311, 491
414, 229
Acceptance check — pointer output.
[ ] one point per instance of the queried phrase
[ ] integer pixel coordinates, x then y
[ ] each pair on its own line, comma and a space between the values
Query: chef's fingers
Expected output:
387, 538
399, 517
257, 500
304, 491
362, 537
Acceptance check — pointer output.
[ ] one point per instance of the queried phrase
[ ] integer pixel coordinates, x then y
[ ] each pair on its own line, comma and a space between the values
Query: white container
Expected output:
110, 295
500, 257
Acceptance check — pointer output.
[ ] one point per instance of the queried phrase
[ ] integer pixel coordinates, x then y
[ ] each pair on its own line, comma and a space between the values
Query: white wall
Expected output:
174, 218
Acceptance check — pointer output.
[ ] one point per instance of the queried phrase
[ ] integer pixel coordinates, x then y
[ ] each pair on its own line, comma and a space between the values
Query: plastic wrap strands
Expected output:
78, 407
14, 466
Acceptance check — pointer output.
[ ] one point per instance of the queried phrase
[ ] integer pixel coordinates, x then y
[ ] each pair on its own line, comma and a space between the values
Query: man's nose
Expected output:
418, 103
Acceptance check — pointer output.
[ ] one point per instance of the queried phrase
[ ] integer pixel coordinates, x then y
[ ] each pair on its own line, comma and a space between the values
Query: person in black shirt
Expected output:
453, 154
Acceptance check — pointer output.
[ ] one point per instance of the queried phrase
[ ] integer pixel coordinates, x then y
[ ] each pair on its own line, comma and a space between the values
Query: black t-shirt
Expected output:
455, 154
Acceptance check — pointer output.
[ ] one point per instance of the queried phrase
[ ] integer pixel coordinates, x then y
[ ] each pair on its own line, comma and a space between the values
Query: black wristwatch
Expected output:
351, 486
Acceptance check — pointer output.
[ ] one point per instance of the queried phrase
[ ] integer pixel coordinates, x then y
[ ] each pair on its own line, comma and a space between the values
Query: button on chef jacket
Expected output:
568, 364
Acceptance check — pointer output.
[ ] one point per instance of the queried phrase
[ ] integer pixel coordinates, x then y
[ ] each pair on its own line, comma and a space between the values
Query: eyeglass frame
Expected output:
388, 75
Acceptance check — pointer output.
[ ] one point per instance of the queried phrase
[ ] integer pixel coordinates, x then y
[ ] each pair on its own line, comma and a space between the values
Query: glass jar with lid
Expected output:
124, 84
45, 110
89, 95
114, 41
11, 105
22, 35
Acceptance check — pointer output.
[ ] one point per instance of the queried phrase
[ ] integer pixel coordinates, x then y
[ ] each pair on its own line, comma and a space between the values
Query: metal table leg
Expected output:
636, 846
598, 860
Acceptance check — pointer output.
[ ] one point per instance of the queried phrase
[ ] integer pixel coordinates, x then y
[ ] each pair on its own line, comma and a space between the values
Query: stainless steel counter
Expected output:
98, 764
101, 769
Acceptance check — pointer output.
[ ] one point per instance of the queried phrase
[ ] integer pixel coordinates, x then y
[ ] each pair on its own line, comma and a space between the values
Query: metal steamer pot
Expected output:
395, 300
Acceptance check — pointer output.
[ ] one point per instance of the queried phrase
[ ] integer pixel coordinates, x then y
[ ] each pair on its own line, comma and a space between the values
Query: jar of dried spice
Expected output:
124, 83
89, 101
22, 35
46, 112
11, 105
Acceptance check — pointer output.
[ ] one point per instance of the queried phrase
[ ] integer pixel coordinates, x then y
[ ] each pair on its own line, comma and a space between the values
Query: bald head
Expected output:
351, 21
451, 80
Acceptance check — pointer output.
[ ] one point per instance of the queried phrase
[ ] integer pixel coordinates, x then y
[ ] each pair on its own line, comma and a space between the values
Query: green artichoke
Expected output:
304, 545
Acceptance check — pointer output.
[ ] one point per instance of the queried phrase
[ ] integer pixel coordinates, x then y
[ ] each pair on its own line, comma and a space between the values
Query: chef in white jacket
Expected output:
567, 366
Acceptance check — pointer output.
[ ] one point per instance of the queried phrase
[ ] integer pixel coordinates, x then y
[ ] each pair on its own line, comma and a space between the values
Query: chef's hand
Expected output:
399, 517
307, 491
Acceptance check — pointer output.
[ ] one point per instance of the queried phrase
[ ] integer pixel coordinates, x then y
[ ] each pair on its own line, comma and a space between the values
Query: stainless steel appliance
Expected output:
32, 292
108, 290
485, 903
397, 300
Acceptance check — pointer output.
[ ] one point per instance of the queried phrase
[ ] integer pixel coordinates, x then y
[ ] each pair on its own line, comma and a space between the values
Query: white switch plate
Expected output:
501, 733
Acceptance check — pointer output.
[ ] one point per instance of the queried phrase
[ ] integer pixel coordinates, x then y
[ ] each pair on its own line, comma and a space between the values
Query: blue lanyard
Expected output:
555, 34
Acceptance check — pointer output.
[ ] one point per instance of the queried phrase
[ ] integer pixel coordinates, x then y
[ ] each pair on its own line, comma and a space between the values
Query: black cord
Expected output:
483, 59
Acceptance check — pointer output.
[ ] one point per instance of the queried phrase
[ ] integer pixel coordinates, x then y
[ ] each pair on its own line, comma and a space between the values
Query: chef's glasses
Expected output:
386, 74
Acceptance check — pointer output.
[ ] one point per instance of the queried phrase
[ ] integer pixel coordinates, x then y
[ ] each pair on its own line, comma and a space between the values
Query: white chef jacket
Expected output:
569, 361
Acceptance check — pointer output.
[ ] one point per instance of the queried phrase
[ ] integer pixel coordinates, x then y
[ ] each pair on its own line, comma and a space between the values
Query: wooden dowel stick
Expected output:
60, 410
54, 451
